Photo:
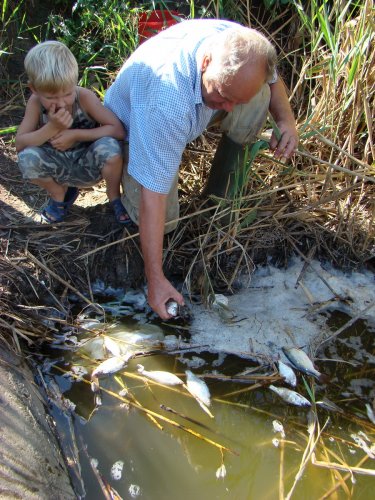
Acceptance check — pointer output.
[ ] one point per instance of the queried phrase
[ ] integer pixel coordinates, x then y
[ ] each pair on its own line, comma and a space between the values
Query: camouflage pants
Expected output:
80, 166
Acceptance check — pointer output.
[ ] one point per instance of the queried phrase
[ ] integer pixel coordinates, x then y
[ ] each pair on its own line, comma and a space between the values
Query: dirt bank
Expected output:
31, 464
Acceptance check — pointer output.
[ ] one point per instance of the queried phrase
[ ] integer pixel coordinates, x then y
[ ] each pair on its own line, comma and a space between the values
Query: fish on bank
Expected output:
287, 373
177, 311
303, 363
172, 308
290, 396
163, 377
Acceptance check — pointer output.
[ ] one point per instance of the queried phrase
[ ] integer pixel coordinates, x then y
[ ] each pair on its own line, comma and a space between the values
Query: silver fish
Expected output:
198, 388
290, 396
160, 376
110, 365
301, 361
329, 405
370, 413
287, 373
177, 311
172, 308
112, 346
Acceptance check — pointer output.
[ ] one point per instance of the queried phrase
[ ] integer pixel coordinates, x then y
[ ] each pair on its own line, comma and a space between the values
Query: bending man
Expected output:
166, 94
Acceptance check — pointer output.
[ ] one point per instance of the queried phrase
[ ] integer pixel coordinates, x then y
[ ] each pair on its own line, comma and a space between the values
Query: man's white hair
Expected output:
235, 47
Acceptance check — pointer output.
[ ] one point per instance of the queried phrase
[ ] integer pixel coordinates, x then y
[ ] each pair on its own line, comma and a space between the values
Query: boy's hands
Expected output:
63, 140
60, 119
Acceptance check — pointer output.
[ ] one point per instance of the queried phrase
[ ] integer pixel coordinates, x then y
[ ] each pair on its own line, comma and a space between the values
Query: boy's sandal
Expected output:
121, 215
55, 211
70, 196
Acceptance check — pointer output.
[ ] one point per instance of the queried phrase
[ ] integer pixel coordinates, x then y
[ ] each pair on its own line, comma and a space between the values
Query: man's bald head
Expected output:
236, 48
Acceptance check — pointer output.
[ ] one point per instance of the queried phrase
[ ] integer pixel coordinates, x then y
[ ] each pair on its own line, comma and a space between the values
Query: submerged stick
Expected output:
281, 471
336, 466
181, 415
345, 478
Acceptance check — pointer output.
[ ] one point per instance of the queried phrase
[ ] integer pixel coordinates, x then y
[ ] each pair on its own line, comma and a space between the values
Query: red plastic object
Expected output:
150, 24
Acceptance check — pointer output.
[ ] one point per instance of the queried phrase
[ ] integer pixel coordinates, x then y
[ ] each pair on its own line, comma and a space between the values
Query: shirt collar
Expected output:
198, 78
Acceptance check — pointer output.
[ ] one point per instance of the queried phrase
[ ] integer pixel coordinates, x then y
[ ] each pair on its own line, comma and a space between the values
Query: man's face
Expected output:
239, 90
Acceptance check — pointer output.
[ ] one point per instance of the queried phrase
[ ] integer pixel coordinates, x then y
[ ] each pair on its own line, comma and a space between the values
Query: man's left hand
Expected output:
288, 142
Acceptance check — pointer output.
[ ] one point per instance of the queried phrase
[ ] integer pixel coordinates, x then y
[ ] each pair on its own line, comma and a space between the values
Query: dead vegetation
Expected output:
321, 203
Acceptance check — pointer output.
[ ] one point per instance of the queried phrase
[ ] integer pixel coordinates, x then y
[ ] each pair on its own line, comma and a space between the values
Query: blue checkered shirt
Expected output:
157, 96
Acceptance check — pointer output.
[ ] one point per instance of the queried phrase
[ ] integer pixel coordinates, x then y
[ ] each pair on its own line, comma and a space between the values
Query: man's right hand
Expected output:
159, 293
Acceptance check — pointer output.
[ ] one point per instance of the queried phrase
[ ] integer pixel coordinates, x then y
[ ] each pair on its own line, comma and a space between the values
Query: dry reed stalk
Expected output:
61, 280
345, 468
281, 471
328, 493
309, 451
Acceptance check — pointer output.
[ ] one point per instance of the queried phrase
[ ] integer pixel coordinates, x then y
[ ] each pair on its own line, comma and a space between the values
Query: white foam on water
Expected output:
274, 311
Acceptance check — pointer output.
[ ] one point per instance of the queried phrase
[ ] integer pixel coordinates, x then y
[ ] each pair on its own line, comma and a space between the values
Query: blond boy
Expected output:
67, 138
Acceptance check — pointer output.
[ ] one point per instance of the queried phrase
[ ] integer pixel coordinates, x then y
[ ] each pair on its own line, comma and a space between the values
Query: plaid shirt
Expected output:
157, 96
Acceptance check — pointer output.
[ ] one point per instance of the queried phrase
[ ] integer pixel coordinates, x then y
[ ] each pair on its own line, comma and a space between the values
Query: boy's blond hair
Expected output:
50, 67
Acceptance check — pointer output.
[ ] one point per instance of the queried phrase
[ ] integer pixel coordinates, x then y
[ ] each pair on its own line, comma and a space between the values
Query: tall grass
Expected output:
324, 199
12, 25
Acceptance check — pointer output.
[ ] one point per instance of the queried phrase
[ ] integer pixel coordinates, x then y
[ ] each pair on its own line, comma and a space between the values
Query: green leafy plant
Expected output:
100, 33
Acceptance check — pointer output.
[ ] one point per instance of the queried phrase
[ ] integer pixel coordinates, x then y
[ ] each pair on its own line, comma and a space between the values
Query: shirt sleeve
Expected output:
274, 78
158, 137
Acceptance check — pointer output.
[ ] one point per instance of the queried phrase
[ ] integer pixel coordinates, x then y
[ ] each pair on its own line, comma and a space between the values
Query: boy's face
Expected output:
53, 101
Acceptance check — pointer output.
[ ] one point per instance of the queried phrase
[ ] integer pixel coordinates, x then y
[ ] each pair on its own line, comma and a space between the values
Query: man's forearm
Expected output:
284, 143
151, 229
280, 107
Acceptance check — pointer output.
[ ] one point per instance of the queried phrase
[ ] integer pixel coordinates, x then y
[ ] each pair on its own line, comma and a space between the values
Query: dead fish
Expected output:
110, 365
198, 388
370, 413
112, 346
290, 396
177, 311
287, 373
160, 376
303, 363
172, 308
329, 405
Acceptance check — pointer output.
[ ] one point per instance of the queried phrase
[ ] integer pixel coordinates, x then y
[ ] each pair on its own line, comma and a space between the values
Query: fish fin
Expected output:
140, 368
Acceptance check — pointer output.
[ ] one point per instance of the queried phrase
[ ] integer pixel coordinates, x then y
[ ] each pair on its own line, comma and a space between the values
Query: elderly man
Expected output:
166, 94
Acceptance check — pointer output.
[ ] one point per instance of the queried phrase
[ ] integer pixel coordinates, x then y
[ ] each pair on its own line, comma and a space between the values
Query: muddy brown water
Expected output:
174, 462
